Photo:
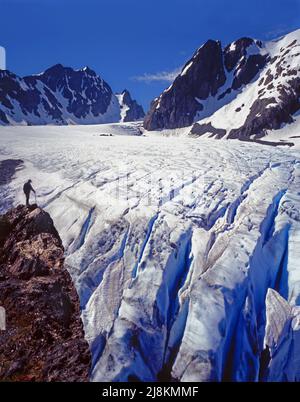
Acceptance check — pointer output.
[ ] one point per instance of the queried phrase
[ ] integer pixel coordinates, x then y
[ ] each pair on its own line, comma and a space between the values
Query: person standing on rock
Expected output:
27, 188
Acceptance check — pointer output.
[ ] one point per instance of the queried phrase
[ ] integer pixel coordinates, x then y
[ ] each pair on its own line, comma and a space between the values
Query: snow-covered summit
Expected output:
60, 95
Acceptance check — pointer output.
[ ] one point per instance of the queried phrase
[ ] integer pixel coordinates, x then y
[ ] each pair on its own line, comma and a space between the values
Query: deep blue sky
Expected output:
122, 39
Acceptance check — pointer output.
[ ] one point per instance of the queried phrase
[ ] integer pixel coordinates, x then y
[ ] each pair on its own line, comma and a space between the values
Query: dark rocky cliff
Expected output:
44, 338
201, 77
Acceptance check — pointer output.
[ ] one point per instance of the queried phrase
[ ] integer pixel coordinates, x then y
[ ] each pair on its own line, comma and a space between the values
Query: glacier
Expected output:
185, 252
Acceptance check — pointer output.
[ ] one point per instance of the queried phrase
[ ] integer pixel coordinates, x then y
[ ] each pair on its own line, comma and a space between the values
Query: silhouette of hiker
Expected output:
27, 188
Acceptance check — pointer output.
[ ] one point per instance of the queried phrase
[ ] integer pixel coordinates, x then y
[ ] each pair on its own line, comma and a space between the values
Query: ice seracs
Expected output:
173, 245
282, 340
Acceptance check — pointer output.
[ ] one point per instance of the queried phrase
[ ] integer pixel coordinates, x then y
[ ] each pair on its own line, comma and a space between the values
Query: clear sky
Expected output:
133, 44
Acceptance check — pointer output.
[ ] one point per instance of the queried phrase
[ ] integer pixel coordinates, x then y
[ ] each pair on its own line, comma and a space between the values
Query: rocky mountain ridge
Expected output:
241, 91
60, 95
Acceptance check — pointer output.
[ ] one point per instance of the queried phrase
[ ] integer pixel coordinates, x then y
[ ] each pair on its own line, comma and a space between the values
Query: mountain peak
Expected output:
88, 71
200, 78
63, 95
55, 68
126, 96
130, 109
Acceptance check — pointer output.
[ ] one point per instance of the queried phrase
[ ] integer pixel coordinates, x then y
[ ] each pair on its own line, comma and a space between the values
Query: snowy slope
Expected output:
123, 106
172, 245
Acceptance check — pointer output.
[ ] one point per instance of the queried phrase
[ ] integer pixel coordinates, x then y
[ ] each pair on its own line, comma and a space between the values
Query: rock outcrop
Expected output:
44, 338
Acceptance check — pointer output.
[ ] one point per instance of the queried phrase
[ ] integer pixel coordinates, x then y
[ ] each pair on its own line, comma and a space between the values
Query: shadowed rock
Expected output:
133, 111
201, 77
44, 338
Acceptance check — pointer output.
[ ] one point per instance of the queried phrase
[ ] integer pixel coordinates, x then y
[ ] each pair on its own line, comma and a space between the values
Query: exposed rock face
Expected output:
243, 91
60, 95
245, 66
130, 109
44, 339
200, 129
235, 52
268, 114
200, 78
